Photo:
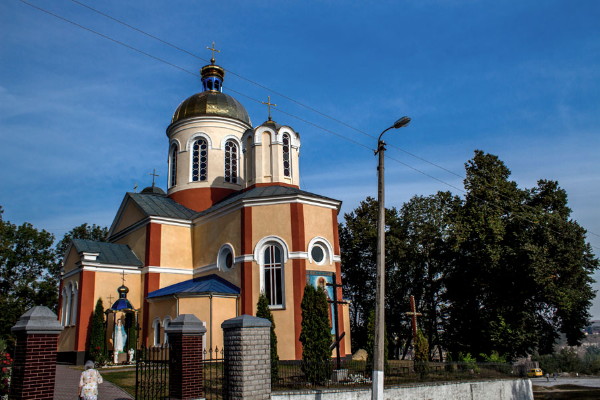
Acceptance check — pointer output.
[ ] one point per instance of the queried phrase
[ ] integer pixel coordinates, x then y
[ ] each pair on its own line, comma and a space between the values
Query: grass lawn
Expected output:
123, 379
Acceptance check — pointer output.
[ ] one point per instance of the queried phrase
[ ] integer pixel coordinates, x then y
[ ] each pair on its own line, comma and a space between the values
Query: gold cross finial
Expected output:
269, 105
154, 175
212, 48
123, 277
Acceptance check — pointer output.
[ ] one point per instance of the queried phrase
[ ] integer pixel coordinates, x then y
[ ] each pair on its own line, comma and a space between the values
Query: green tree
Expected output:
315, 335
97, 342
358, 243
28, 272
263, 311
522, 273
421, 354
83, 231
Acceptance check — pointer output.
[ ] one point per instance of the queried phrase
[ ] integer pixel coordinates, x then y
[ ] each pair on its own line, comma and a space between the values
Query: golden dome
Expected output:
211, 103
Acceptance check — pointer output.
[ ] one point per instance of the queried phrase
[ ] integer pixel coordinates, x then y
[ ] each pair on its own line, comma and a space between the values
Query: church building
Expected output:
233, 223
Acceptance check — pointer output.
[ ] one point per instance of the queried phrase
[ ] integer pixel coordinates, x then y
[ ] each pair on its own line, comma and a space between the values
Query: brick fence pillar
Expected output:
34, 369
185, 372
247, 343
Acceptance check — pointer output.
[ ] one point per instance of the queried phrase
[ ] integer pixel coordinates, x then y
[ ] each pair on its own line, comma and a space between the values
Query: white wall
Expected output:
519, 389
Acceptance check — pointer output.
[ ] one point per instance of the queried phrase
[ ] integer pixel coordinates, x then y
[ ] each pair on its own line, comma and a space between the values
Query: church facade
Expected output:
232, 224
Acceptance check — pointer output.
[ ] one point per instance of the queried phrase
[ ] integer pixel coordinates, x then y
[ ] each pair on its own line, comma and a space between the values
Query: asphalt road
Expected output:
587, 381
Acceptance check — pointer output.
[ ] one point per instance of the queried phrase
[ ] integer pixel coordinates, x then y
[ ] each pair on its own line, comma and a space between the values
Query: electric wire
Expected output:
260, 85
273, 91
344, 137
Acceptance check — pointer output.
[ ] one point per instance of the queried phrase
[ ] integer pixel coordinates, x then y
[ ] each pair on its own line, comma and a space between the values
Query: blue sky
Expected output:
82, 118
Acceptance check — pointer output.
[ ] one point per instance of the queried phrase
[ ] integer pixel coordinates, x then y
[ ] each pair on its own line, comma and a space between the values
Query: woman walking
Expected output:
89, 381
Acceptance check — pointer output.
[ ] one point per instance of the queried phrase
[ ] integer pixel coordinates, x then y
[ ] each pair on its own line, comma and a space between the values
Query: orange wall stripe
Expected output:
299, 269
85, 308
151, 280
246, 278
338, 274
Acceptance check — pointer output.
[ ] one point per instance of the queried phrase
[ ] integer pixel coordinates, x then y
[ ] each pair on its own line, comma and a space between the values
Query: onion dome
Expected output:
212, 101
153, 190
122, 304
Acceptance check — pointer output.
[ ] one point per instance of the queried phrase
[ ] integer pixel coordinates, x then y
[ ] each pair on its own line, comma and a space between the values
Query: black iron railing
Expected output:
292, 375
152, 373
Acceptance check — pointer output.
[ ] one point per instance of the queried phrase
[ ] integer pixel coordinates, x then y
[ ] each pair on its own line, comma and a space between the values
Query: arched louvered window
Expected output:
200, 160
287, 161
273, 275
173, 166
156, 328
73, 319
231, 161
166, 324
66, 303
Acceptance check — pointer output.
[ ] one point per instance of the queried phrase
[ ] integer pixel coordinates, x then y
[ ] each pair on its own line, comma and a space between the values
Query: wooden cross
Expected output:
154, 175
414, 314
338, 337
212, 48
269, 105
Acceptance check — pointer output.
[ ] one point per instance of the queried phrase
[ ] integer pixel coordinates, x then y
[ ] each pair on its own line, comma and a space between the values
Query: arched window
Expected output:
273, 282
173, 165
65, 306
287, 161
156, 327
73, 319
231, 161
199, 160
166, 324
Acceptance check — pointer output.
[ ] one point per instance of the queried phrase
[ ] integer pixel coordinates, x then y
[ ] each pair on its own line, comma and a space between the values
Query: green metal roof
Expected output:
109, 253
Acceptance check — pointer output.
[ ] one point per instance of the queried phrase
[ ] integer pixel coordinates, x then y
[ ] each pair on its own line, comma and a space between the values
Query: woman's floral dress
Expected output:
88, 384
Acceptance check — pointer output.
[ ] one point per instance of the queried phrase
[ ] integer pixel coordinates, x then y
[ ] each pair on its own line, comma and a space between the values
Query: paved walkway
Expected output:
67, 385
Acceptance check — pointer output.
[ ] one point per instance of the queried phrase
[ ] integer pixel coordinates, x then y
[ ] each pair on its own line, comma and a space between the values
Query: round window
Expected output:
318, 254
226, 259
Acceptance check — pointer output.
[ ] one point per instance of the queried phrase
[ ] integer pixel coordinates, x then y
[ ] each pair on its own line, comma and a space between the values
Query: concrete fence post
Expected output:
34, 368
185, 372
247, 344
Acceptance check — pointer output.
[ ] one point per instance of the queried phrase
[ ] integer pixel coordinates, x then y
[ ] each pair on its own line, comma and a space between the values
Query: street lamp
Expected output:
378, 357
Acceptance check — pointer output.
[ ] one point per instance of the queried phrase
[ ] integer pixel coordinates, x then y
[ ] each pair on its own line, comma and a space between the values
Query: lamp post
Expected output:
378, 356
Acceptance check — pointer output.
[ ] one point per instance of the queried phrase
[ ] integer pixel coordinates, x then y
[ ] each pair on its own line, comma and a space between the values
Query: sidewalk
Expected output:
67, 385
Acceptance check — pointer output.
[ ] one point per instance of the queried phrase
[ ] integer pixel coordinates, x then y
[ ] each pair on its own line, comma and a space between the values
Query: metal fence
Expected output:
152, 373
213, 374
292, 374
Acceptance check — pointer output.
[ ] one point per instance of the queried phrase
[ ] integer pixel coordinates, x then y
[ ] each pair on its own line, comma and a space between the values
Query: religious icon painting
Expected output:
321, 279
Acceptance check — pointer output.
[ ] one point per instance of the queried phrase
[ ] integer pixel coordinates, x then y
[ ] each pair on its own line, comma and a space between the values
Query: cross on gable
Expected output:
414, 314
269, 105
212, 49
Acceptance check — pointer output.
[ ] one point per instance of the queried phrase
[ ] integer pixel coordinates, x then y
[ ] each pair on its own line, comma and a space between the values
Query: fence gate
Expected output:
213, 374
152, 373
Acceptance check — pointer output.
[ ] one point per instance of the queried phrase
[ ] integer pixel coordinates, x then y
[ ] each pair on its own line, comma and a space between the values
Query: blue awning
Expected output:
206, 284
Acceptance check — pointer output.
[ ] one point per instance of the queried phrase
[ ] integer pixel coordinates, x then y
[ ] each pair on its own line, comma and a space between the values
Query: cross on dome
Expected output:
269, 105
212, 49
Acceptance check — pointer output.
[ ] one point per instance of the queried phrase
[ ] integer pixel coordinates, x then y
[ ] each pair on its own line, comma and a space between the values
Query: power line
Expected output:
260, 85
174, 46
344, 137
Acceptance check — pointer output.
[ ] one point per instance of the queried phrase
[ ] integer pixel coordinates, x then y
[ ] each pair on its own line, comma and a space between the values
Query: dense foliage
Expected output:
97, 343
263, 311
503, 269
315, 335
30, 267
29, 273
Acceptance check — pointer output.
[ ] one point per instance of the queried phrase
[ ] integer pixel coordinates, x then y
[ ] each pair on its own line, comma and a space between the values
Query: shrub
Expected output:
263, 311
315, 335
